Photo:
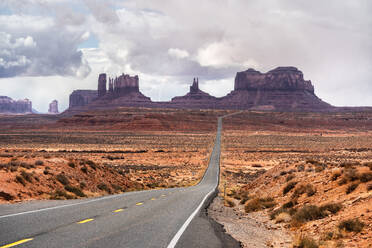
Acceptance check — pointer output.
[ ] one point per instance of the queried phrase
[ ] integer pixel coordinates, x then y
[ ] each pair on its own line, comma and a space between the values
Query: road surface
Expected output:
155, 218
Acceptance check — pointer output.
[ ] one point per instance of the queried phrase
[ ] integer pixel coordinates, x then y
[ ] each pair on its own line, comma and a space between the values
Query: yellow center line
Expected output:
16, 243
85, 221
153, 199
118, 210
163, 195
139, 204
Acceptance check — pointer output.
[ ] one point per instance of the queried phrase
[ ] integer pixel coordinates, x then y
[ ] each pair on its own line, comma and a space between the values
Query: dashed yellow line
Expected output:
153, 199
163, 195
118, 210
139, 204
85, 221
16, 243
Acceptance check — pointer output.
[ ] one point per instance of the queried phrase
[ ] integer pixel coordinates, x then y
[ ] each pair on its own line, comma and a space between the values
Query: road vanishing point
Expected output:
155, 218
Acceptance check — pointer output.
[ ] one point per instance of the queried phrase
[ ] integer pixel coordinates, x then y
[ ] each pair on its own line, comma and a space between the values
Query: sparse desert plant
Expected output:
283, 217
39, 162
302, 189
289, 187
27, 176
83, 185
116, 187
308, 213
103, 186
290, 177
229, 203
369, 187
342, 181
335, 176
306, 242
91, 164
365, 177
62, 179
71, 164
84, 169
351, 175
257, 204
331, 207
20, 180
6, 196
351, 225
75, 190
301, 168
351, 187
61, 195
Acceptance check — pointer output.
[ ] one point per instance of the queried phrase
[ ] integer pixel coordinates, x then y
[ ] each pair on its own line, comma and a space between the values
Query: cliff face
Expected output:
283, 88
80, 98
8, 105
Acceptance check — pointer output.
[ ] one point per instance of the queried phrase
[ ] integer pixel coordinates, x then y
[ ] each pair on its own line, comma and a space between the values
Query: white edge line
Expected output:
178, 235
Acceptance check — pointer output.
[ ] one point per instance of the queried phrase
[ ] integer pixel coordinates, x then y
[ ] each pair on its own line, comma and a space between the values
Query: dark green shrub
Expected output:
84, 169
39, 162
71, 164
27, 176
21, 180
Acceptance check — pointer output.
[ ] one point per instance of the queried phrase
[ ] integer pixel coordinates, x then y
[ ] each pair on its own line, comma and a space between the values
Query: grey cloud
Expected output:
47, 49
102, 11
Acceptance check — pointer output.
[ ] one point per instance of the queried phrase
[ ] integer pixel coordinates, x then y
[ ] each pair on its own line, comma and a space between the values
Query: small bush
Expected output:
62, 179
351, 188
342, 181
229, 203
308, 213
369, 187
6, 196
306, 242
365, 177
351, 225
290, 177
61, 195
91, 164
103, 186
301, 168
46, 172
26, 176
83, 185
282, 173
335, 176
351, 175
71, 164
289, 187
331, 207
302, 189
75, 190
259, 204
21, 180
39, 162
84, 169
116, 187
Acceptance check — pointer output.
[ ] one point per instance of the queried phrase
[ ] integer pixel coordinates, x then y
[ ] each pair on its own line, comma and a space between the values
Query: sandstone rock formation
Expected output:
10, 106
281, 89
80, 98
53, 107
195, 97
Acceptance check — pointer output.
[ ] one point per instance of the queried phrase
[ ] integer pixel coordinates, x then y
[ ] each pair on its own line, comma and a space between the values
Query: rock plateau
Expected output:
10, 106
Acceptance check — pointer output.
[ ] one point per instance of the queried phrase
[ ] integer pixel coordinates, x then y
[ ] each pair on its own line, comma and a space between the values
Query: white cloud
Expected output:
178, 53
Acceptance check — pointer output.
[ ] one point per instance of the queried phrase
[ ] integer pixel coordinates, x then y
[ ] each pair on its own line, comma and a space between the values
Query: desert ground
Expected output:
305, 178
287, 179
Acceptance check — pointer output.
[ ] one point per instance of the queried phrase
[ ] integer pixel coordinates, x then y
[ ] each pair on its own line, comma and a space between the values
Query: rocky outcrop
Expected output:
80, 98
283, 88
194, 96
53, 107
10, 106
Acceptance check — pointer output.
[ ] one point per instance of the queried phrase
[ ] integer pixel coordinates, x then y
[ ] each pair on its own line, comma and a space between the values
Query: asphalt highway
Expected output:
155, 218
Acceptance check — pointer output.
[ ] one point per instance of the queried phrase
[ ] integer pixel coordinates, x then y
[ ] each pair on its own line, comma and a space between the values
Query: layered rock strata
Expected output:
53, 107
10, 106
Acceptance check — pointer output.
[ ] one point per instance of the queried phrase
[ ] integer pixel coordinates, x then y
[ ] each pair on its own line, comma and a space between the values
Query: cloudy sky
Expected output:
48, 48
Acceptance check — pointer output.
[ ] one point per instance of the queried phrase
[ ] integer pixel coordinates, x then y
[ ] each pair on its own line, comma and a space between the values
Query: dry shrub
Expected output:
351, 187
369, 187
71, 164
342, 181
289, 187
75, 190
283, 217
365, 177
335, 176
351, 225
351, 175
61, 195
62, 179
302, 189
312, 212
305, 242
257, 204
103, 186
39, 162
229, 203
26, 176
290, 177
6, 196
20, 180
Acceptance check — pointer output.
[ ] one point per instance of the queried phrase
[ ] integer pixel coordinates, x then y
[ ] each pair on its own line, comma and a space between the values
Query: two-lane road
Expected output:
155, 218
